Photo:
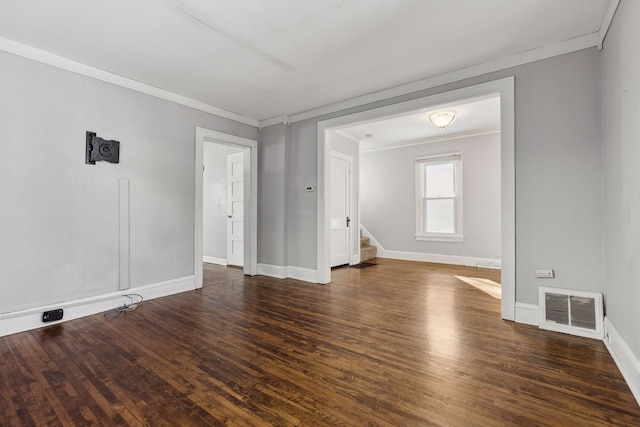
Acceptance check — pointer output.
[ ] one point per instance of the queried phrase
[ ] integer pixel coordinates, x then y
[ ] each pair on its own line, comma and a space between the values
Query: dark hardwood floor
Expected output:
395, 344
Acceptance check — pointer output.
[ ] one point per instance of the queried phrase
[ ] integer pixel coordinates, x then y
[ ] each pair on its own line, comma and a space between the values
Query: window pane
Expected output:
439, 180
439, 216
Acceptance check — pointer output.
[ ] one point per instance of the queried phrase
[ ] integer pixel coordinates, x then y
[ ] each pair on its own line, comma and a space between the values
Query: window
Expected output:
439, 198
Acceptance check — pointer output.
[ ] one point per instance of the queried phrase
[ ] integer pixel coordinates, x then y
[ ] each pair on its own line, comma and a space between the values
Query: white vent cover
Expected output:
572, 312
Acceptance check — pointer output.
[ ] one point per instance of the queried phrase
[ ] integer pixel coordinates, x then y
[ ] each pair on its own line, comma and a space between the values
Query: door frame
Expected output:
251, 199
353, 222
503, 87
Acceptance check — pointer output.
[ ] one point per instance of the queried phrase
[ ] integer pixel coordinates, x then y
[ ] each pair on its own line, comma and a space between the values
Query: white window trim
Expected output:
421, 235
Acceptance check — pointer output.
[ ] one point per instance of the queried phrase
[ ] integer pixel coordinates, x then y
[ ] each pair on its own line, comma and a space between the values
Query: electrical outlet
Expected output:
52, 316
545, 274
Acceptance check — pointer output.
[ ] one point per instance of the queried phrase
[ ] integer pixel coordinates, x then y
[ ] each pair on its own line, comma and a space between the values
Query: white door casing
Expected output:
235, 209
250, 148
340, 208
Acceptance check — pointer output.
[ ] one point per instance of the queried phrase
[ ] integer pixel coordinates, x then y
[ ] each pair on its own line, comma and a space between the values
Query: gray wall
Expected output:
214, 203
302, 168
59, 218
621, 160
272, 181
347, 146
387, 196
558, 185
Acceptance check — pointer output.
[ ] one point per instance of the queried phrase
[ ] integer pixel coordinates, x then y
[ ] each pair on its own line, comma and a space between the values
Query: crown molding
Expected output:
347, 135
572, 45
606, 22
277, 120
391, 146
57, 61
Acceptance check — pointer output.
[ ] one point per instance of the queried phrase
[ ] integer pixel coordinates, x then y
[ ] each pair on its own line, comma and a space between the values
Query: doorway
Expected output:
341, 167
504, 88
249, 152
223, 204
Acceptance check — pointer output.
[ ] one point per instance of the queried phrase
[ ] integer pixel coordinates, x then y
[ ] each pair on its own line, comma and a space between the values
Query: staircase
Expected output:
367, 251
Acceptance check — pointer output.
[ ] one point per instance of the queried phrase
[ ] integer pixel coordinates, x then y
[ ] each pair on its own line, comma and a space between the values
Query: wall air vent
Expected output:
572, 312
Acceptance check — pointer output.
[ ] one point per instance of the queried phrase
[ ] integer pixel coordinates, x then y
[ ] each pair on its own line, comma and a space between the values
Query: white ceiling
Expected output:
263, 58
472, 117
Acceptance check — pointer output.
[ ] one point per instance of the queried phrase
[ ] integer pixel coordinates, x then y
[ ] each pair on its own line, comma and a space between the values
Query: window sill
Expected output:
439, 238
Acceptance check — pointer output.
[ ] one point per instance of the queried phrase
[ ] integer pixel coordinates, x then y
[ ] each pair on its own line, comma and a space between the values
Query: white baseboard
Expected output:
443, 259
284, 272
277, 271
527, 314
627, 362
304, 274
24, 320
214, 260
437, 258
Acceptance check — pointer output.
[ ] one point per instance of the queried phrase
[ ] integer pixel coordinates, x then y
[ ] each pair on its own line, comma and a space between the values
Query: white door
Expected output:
235, 209
340, 208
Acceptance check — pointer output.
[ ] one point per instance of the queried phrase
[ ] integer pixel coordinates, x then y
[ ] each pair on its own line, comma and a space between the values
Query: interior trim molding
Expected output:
626, 361
303, 274
391, 146
347, 135
572, 45
436, 258
276, 271
288, 272
25, 320
443, 259
250, 147
61, 62
214, 260
526, 313
606, 22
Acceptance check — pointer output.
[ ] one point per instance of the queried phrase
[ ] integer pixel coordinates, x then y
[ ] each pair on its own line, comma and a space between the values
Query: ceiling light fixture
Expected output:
442, 119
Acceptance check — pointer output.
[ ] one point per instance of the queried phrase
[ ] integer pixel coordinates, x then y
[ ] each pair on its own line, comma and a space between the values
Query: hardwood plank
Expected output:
398, 343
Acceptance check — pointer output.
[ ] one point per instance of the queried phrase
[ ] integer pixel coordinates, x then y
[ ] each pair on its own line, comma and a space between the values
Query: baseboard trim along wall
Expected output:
288, 272
527, 314
436, 258
24, 320
443, 259
277, 271
214, 260
626, 361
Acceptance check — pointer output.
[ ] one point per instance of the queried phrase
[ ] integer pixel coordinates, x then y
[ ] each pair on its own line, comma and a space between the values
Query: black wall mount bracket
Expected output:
98, 149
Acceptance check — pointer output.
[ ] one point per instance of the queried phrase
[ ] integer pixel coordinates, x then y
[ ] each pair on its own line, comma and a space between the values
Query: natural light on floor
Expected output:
485, 285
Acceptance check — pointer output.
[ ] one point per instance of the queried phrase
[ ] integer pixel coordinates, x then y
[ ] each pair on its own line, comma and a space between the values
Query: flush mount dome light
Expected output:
442, 119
